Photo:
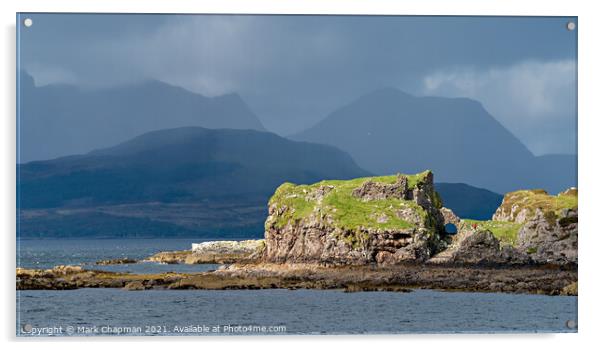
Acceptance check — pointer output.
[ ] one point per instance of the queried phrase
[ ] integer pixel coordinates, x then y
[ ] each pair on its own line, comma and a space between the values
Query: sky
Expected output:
295, 70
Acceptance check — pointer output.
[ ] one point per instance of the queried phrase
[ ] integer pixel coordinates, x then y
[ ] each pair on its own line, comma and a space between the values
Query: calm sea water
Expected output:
196, 312
45, 254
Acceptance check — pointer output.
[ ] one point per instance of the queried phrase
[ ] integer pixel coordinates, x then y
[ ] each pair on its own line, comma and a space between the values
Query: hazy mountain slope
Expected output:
469, 202
388, 130
556, 172
57, 120
199, 181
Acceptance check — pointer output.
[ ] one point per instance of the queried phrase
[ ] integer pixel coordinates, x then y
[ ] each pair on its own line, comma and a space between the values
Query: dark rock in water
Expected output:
135, 285
117, 261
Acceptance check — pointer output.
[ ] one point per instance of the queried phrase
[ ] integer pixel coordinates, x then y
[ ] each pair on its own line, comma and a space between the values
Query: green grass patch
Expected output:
540, 199
347, 211
506, 232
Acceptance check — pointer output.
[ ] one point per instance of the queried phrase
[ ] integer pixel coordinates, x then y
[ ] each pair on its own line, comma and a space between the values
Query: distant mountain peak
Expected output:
388, 129
57, 120
386, 92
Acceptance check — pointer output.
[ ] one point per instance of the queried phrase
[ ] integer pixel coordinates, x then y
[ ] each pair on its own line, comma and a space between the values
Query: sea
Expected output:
277, 312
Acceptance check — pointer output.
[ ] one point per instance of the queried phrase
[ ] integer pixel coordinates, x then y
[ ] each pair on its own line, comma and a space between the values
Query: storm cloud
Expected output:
294, 70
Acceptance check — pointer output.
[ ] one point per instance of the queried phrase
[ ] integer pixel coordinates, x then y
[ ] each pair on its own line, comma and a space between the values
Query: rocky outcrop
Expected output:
571, 289
529, 227
551, 239
384, 220
549, 224
173, 257
224, 252
478, 246
483, 248
117, 261
74, 277
449, 217
213, 252
521, 206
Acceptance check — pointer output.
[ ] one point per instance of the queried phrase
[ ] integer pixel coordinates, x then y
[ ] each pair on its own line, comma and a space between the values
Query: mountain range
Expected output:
153, 159
388, 130
189, 180
59, 119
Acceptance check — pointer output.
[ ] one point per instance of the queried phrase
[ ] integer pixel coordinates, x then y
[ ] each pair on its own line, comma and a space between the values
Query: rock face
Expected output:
225, 252
394, 219
214, 252
477, 245
173, 257
521, 206
483, 248
383, 220
247, 247
449, 217
551, 240
371, 190
549, 231
529, 227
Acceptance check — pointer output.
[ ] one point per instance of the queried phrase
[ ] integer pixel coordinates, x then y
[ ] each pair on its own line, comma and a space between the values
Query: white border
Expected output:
589, 161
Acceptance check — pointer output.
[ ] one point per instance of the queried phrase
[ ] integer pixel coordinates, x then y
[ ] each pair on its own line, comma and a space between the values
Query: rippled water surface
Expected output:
197, 312
44, 254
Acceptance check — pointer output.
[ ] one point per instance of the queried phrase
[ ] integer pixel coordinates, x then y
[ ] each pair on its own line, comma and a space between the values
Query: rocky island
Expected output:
374, 233
216, 252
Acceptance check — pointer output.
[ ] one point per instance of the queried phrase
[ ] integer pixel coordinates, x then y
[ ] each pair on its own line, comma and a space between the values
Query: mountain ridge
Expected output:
388, 129
61, 119
181, 181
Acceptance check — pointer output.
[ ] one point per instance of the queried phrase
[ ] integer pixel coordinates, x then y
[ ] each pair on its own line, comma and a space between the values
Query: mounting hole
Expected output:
571, 26
28, 22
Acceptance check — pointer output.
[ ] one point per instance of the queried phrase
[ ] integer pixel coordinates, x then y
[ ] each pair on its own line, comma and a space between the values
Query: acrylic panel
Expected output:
295, 174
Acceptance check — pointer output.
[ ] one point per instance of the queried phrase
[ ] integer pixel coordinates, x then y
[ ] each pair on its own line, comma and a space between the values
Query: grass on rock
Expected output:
506, 232
347, 211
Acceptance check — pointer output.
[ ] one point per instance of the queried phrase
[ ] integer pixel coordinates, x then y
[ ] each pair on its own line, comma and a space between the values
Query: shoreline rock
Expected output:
170, 257
117, 261
402, 278
213, 252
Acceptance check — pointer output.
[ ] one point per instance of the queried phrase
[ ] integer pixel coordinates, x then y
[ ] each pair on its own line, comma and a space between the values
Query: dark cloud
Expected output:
293, 70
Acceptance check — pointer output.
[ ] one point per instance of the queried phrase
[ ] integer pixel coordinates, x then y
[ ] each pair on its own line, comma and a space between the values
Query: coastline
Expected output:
548, 280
